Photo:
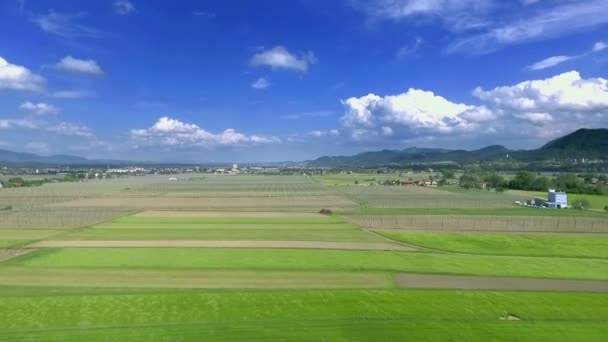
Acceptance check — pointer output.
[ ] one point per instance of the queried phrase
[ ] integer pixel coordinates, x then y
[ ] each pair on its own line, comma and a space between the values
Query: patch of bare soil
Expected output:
226, 244
6, 254
405, 280
254, 214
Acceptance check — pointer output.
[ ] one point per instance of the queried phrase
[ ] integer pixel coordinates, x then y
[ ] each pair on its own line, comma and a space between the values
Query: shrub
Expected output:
582, 203
325, 211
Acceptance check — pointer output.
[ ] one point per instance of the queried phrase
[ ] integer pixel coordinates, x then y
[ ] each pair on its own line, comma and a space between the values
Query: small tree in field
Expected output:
582, 203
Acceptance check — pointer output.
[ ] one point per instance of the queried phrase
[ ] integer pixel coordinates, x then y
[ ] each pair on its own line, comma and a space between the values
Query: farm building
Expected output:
557, 199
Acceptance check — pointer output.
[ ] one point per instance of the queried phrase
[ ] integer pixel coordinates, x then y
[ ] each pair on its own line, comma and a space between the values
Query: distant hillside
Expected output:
21, 157
30, 159
584, 143
411, 155
587, 140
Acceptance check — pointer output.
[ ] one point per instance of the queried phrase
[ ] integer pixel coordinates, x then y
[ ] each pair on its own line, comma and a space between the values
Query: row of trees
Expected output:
19, 182
533, 182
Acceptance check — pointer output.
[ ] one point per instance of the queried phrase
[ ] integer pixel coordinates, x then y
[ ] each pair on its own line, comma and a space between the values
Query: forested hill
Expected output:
584, 143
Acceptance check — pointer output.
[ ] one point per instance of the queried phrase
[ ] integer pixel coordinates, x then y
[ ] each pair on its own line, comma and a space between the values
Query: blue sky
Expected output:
292, 80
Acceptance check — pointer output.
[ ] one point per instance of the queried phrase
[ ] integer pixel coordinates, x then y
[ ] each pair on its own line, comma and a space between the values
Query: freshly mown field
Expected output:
300, 259
497, 244
154, 269
346, 315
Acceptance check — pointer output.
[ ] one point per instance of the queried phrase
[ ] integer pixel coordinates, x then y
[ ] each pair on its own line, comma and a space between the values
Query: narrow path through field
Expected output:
380, 246
427, 281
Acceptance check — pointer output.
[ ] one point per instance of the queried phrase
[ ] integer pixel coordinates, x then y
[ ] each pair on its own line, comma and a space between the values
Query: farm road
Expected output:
427, 281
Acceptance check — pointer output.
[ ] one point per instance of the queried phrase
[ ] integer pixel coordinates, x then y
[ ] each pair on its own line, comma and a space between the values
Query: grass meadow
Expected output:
306, 260
346, 315
511, 244
236, 294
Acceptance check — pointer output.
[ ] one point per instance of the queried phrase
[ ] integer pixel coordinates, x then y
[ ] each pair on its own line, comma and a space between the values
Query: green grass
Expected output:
596, 201
232, 220
348, 235
295, 259
508, 244
226, 226
515, 211
348, 315
177, 279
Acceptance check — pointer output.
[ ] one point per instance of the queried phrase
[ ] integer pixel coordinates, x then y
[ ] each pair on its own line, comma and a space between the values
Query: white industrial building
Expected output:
557, 199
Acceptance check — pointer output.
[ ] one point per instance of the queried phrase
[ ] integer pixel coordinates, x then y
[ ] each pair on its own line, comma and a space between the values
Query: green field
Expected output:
239, 294
523, 245
232, 233
294, 259
347, 315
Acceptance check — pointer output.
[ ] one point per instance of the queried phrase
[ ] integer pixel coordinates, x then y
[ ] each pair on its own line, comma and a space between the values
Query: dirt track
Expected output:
6, 254
225, 244
259, 214
426, 281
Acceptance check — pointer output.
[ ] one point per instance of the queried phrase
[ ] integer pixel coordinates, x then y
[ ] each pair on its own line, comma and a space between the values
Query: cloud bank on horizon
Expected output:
232, 85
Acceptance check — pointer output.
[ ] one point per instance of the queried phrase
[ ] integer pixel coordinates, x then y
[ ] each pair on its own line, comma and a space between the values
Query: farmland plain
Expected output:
310, 286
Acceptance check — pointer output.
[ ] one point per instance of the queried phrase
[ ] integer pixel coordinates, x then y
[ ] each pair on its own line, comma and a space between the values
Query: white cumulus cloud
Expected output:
280, 58
538, 108
413, 112
38, 108
82, 66
18, 77
172, 132
564, 92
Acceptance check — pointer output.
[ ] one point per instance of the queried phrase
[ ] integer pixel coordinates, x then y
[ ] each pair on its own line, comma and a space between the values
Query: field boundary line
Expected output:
405, 244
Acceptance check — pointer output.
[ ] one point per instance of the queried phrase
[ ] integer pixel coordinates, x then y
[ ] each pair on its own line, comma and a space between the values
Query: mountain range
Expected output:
583, 143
